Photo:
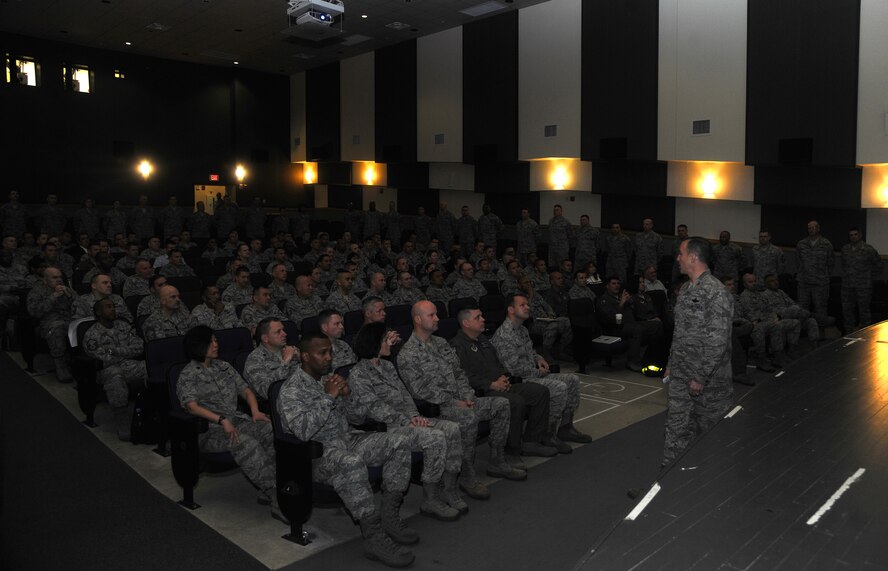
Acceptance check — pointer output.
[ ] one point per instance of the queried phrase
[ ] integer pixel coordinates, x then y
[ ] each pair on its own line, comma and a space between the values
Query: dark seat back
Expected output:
353, 321
232, 342
185, 283
396, 315
457, 304
161, 354
447, 328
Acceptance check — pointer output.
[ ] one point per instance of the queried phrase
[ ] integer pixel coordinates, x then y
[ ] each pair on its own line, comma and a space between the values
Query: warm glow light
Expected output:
145, 169
560, 178
885, 194
240, 173
309, 174
370, 174
709, 185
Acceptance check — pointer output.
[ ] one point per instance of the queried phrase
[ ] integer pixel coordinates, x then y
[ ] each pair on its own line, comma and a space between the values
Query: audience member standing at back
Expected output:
619, 253
815, 264
561, 232
648, 247
861, 264
767, 258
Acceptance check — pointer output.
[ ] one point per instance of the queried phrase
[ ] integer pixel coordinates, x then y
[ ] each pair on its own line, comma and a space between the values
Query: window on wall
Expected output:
22, 70
78, 78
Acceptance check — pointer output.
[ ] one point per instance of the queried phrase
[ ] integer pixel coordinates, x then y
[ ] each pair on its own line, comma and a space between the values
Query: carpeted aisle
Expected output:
69, 503
547, 522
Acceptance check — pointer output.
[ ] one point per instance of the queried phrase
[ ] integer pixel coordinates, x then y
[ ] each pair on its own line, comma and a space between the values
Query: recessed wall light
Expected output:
237, 63
128, 43
364, 16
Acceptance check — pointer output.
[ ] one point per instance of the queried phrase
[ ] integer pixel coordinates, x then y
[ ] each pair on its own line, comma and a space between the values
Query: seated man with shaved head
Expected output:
213, 312
170, 319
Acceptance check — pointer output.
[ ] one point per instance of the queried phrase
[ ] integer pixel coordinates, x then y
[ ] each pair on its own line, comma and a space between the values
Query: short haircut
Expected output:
368, 340
685, 226
701, 248
96, 277
101, 301
464, 311
307, 340
264, 326
510, 299
153, 280
242, 270
325, 316
206, 289
197, 341
370, 300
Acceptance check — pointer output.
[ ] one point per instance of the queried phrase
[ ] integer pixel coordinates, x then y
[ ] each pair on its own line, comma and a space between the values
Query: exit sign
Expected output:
214, 178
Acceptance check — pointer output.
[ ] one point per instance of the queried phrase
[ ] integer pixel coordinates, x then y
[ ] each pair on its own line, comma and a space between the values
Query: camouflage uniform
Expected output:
548, 325
785, 307
515, 351
199, 223
237, 296
727, 259
435, 293
765, 323
254, 222
406, 296
561, 232
465, 288
83, 307
432, 372
118, 278
135, 285
767, 260
182, 270
467, 233
588, 238
301, 224
216, 388
581, 292
445, 229
299, 308
52, 220
281, 291
394, 229
861, 264
172, 220
14, 218
648, 249
490, 226
509, 285
342, 302
252, 315
619, 251
815, 264
227, 218
311, 414
528, 232
424, 227
54, 313
204, 315
342, 354
607, 306
117, 348
265, 367
381, 392
540, 281
141, 222
149, 304
160, 326
701, 352
372, 223
354, 221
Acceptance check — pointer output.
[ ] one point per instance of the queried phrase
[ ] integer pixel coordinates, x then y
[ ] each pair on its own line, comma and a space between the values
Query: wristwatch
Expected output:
221, 418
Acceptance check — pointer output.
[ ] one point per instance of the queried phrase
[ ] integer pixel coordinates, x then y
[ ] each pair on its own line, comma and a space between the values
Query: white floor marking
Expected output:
835, 497
636, 511
734, 411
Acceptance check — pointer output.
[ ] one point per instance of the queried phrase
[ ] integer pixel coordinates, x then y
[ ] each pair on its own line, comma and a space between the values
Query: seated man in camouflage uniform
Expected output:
213, 313
331, 324
280, 289
467, 285
101, 289
515, 350
377, 287
580, 289
407, 292
138, 283
786, 308
272, 360
241, 291
128, 261
766, 324
375, 383
741, 330
260, 309
616, 318
438, 290
306, 303
226, 280
114, 342
484, 273
176, 267
105, 265
558, 294
50, 302
555, 330
510, 282
315, 405
168, 320
430, 368
208, 387
341, 298
151, 302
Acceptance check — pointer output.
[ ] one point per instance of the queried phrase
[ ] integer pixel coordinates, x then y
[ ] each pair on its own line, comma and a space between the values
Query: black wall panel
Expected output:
641, 178
788, 224
345, 197
508, 205
619, 81
825, 187
395, 86
322, 119
628, 211
409, 175
490, 90
502, 177
335, 173
802, 60
409, 199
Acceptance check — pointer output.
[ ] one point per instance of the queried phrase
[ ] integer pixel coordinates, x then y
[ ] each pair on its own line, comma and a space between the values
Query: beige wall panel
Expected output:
872, 84
708, 218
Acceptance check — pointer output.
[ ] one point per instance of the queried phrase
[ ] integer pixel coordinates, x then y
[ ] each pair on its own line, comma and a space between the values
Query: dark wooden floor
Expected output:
742, 496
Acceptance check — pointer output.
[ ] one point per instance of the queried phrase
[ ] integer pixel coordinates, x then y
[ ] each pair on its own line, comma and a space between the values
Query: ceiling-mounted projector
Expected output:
314, 12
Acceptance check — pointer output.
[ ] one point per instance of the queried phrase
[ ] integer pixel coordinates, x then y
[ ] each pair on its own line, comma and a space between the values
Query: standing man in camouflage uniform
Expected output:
254, 221
114, 221
52, 217
315, 405
466, 231
561, 233
114, 342
13, 216
373, 221
393, 227
767, 258
588, 238
51, 303
528, 232
515, 349
700, 389
171, 219
431, 369
619, 251
727, 256
489, 227
272, 360
445, 227
648, 247
423, 225
141, 220
681, 234
200, 222
861, 264
815, 264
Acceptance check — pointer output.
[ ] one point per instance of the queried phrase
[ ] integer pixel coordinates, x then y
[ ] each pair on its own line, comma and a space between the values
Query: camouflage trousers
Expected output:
564, 396
253, 451
688, 416
812, 328
856, 304
119, 378
777, 332
557, 253
583, 258
440, 445
493, 409
740, 329
344, 466
618, 268
8, 304
56, 335
553, 331
815, 294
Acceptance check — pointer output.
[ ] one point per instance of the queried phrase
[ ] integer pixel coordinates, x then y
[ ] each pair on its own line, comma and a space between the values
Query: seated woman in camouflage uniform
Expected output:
208, 387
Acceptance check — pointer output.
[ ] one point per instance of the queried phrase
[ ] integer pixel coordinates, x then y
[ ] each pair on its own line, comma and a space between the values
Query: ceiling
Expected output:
219, 32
